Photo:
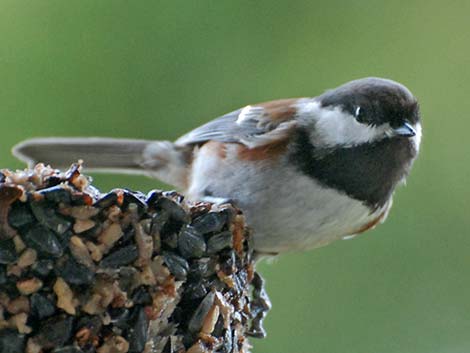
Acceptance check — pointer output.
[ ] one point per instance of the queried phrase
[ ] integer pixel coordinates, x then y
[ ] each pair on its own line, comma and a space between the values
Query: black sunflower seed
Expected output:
42, 268
141, 296
203, 268
219, 241
210, 222
64, 238
191, 243
137, 198
170, 239
126, 278
20, 215
175, 211
56, 194
10, 288
152, 197
3, 275
195, 291
219, 327
11, 341
7, 252
41, 306
55, 331
47, 216
195, 323
168, 346
107, 200
173, 195
158, 221
53, 180
228, 261
177, 265
73, 272
120, 317
137, 332
121, 257
43, 241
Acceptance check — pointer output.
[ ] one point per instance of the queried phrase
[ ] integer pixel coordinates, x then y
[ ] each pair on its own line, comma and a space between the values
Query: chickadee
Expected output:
305, 171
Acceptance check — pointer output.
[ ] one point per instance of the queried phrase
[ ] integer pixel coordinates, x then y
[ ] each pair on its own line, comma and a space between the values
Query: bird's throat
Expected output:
368, 172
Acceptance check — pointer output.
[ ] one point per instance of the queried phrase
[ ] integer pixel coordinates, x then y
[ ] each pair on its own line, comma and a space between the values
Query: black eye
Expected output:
360, 114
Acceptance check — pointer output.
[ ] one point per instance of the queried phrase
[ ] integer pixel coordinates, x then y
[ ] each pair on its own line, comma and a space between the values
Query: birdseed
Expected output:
121, 272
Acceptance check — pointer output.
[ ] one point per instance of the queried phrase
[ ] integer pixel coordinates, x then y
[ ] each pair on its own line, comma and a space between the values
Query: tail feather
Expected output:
160, 159
97, 153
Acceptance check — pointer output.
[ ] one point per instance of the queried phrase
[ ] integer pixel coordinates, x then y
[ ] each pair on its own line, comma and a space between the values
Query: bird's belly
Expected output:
309, 220
303, 215
286, 210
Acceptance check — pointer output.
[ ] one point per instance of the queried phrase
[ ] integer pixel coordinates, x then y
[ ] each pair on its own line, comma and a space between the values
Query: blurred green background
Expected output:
155, 69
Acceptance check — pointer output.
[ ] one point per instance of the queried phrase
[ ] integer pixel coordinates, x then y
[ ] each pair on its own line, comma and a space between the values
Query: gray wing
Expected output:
252, 126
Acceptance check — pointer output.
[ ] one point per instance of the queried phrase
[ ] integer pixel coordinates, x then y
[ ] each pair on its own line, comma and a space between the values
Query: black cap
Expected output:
374, 101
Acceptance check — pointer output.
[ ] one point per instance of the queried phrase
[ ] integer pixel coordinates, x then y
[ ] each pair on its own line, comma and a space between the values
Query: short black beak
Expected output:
406, 130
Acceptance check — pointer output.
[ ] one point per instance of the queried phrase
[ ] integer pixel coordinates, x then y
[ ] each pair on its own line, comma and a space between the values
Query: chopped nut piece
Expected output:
81, 226
95, 251
93, 306
27, 258
18, 305
65, 298
19, 322
80, 251
29, 286
19, 244
210, 320
110, 235
82, 213
144, 244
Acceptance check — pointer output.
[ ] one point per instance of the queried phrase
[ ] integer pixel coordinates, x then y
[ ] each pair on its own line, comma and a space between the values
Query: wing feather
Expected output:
252, 126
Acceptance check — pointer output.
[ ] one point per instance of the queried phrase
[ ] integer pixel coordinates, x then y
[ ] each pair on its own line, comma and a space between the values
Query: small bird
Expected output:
305, 171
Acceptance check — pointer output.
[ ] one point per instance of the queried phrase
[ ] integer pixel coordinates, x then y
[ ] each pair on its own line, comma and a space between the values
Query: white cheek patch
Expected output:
334, 127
